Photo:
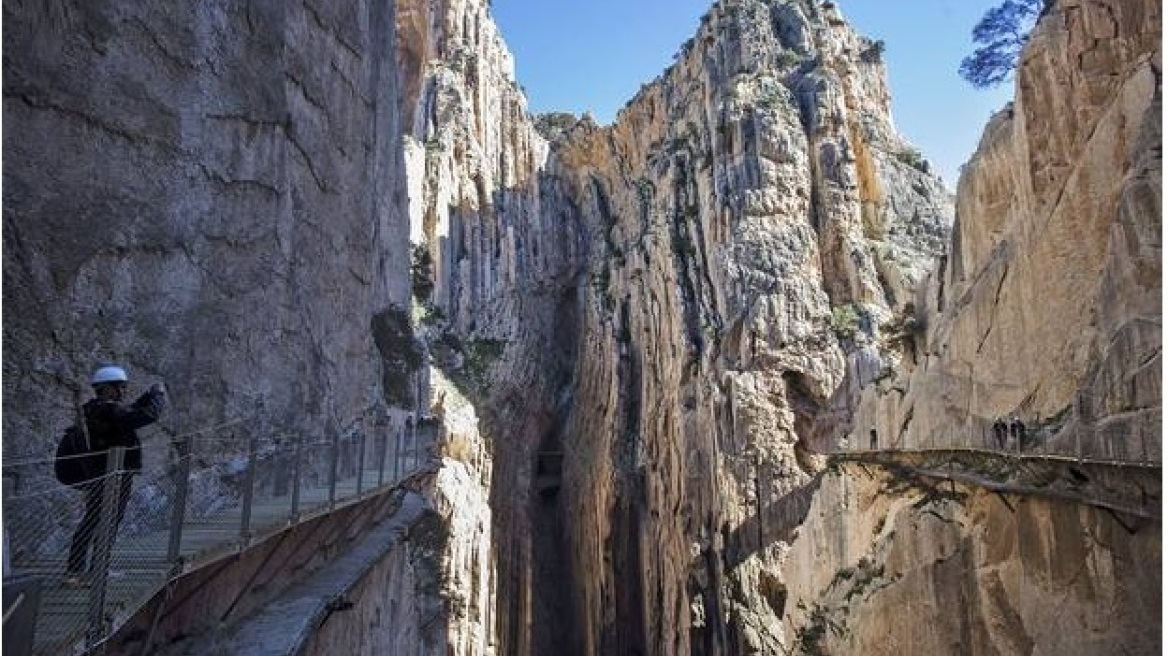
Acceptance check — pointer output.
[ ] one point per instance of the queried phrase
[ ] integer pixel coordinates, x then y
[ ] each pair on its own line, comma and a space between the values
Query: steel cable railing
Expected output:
218, 489
1105, 441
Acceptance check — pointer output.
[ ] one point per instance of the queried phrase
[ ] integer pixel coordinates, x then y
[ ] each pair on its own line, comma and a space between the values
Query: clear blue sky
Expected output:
593, 55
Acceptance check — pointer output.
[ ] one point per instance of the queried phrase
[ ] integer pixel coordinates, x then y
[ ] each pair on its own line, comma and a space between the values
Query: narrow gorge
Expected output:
649, 353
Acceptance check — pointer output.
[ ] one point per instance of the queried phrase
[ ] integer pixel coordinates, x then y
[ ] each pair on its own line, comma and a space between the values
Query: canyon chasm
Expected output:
644, 346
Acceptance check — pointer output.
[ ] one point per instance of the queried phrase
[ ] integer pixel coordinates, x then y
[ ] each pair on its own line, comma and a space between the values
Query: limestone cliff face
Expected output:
1049, 303
752, 224
205, 193
889, 563
663, 321
496, 255
639, 338
664, 309
1047, 306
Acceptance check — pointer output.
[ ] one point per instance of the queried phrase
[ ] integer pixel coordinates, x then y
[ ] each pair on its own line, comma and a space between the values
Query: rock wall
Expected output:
1047, 306
744, 274
668, 305
210, 194
639, 339
1049, 303
753, 220
892, 563
498, 253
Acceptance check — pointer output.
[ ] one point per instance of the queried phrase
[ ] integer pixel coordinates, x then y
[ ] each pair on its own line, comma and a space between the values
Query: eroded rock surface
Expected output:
640, 339
669, 305
750, 268
204, 193
1048, 306
919, 565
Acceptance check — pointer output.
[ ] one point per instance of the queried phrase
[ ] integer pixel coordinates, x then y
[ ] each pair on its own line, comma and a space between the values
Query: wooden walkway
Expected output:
139, 567
1127, 487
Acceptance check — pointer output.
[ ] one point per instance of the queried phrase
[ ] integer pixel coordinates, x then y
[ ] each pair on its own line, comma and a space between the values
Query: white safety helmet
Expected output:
109, 374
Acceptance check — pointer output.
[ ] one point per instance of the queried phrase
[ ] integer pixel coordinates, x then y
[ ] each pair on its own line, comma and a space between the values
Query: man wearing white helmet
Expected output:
110, 423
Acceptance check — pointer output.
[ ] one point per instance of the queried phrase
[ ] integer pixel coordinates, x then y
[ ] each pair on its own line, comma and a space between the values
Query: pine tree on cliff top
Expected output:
1000, 35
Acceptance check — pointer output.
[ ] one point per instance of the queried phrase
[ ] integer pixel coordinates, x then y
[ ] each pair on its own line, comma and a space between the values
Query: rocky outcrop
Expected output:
665, 307
892, 562
638, 340
741, 268
1048, 305
206, 194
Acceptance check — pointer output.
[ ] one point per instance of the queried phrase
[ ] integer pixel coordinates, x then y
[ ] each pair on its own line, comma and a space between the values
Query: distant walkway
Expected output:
1130, 488
1130, 491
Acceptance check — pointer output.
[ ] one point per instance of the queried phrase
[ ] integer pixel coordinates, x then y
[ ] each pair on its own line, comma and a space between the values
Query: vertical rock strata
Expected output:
739, 209
641, 337
683, 308
655, 318
754, 220
496, 262
1048, 306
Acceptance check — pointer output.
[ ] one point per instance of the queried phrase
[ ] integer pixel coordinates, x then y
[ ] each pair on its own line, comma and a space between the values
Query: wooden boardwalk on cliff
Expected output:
141, 569
231, 498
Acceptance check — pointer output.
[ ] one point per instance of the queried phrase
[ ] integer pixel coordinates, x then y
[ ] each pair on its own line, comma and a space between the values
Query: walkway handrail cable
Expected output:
1116, 439
25, 461
191, 501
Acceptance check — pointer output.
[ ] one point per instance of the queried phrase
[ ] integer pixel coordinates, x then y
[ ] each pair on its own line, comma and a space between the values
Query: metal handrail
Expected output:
1096, 441
186, 509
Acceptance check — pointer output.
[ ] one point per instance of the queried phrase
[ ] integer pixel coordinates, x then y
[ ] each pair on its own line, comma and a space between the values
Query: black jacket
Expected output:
114, 424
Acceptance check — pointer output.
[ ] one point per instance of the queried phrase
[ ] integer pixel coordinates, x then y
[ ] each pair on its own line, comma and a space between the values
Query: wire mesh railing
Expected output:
217, 490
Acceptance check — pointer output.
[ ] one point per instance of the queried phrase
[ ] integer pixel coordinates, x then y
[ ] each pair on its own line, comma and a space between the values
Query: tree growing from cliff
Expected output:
421, 272
1000, 35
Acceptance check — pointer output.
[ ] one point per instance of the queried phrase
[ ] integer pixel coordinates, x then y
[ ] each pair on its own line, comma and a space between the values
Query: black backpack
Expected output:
77, 464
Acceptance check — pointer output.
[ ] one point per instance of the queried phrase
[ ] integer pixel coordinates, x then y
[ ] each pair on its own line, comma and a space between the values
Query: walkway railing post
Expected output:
249, 478
383, 423
1079, 443
412, 447
1084, 418
182, 475
99, 567
397, 449
336, 452
360, 459
280, 460
294, 513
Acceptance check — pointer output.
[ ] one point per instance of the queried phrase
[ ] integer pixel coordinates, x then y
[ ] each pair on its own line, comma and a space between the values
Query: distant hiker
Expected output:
110, 423
1000, 432
872, 438
1017, 431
